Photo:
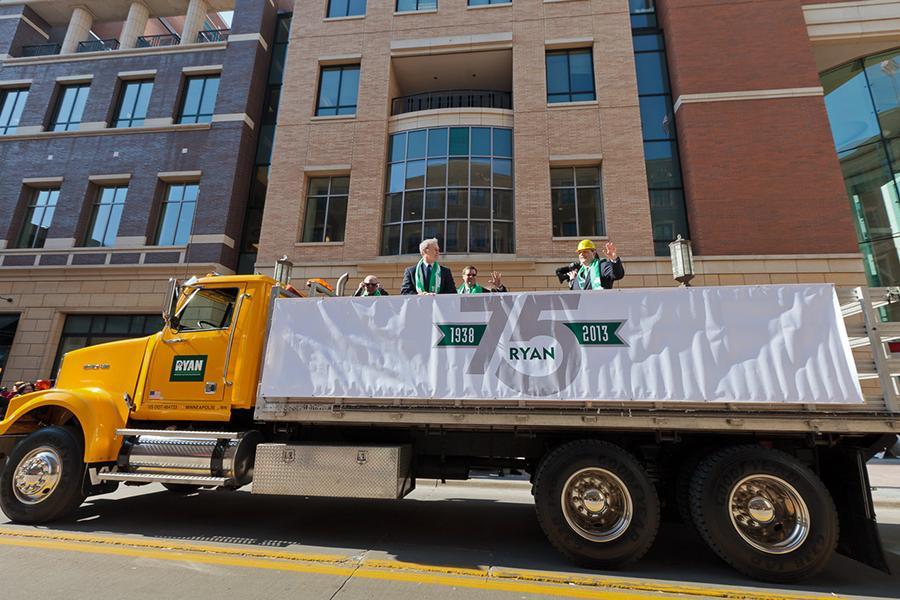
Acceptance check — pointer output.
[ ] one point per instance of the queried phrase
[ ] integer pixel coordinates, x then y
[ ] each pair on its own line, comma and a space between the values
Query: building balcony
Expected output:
213, 35
458, 81
157, 41
451, 99
41, 50
98, 45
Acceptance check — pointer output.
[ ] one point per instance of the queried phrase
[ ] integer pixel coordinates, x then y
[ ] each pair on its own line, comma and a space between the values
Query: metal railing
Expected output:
213, 35
41, 50
451, 99
98, 45
157, 41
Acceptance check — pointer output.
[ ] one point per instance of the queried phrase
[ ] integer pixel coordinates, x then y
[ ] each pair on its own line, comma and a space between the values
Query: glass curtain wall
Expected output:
450, 183
667, 210
260, 181
863, 102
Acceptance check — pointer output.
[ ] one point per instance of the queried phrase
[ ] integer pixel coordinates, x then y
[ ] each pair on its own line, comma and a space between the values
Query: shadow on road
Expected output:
462, 533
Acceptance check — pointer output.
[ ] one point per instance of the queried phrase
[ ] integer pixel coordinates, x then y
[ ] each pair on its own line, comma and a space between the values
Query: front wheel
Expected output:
596, 504
43, 480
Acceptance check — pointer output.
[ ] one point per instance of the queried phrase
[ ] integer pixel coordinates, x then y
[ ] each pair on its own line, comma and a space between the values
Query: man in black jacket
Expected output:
428, 277
596, 273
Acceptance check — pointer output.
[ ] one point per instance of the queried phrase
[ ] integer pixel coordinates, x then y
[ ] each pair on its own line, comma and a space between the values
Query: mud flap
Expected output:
844, 472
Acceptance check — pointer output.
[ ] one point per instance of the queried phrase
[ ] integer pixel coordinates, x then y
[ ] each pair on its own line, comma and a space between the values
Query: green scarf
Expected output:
592, 271
377, 292
434, 285
475, 289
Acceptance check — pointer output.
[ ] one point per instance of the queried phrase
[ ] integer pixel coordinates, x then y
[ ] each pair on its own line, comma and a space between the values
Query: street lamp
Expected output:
682, 261
283, 270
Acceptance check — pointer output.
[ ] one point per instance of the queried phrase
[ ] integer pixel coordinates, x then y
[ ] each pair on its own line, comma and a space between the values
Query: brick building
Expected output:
127, 147
762, 131
553, 121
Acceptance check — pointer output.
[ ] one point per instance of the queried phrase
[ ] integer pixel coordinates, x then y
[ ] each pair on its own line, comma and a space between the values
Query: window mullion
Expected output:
337, 100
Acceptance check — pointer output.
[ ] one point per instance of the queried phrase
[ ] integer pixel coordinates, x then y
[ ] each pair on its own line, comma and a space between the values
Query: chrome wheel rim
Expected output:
597, 504
769, 514
37, 475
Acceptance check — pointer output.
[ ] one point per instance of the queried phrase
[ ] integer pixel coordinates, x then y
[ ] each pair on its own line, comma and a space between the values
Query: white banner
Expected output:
774, 344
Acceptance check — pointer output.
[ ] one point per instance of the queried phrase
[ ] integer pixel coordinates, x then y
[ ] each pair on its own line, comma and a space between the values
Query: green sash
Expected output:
592, 271
475, 289
434, 284
377, 292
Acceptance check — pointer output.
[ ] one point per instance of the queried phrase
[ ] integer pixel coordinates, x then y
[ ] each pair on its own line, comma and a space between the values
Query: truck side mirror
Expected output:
170, 303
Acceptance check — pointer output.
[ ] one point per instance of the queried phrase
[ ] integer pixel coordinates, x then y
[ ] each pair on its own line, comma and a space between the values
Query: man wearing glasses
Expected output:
370, 286
470, 284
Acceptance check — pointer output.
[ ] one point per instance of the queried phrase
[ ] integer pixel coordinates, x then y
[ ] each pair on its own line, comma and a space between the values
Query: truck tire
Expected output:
596, 504
683, 477
43, 480
764, 513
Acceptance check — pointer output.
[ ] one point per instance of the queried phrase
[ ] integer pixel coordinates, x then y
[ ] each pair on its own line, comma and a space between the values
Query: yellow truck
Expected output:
749, 412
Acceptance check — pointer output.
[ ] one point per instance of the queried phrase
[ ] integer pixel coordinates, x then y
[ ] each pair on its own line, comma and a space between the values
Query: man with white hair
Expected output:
428, 277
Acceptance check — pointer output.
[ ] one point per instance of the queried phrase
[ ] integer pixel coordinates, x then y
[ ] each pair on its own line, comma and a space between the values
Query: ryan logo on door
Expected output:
188, 368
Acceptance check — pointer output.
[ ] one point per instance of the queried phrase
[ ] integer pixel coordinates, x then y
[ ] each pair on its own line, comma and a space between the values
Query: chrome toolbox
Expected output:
332, 470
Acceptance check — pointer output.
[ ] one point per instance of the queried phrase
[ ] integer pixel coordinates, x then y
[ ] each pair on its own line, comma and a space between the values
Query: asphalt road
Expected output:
476, 539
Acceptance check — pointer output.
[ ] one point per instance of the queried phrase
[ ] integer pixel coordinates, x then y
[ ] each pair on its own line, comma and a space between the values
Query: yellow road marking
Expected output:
511, 580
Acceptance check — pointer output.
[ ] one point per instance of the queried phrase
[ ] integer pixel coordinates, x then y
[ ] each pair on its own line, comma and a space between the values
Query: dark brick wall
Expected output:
761, 176
16, 33
223, 151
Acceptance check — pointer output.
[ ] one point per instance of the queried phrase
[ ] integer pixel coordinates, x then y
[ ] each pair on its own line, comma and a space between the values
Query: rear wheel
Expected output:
43, 480
596, 504
765, 513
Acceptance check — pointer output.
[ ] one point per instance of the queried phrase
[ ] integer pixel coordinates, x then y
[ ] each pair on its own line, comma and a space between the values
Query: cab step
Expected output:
165, 478
190, 435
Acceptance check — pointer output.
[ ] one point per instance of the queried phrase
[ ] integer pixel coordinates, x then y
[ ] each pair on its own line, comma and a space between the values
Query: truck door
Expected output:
186, 379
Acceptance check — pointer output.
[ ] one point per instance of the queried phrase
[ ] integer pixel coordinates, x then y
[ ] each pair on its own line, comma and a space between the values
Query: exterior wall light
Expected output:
682, 261
283, 270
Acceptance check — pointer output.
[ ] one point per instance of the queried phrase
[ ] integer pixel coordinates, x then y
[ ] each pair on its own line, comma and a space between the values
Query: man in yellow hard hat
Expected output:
596, 273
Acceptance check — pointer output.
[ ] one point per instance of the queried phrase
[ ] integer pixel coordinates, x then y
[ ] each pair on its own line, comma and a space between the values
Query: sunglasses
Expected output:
370, 284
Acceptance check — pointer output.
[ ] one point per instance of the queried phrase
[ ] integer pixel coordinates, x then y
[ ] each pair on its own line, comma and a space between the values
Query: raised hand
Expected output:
609, 251
495, 280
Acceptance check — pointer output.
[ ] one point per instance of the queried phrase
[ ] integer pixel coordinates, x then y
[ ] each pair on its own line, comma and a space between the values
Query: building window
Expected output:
177, 216
38, 217
199, 100
12, 102
69, 107
570, 75
488, 2
346, 8
326, 209
338, 88
452, 183
105, 216
416, 5
863, 106
81, 331
577, 202
664, 183
133, 102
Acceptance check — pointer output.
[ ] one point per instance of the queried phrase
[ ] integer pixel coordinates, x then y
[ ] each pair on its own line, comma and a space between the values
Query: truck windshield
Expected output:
208, 309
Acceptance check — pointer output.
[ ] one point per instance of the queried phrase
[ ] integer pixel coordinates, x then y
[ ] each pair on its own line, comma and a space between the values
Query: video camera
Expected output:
562, 273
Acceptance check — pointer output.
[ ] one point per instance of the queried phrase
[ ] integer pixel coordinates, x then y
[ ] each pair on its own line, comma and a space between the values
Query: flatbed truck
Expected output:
773, 488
